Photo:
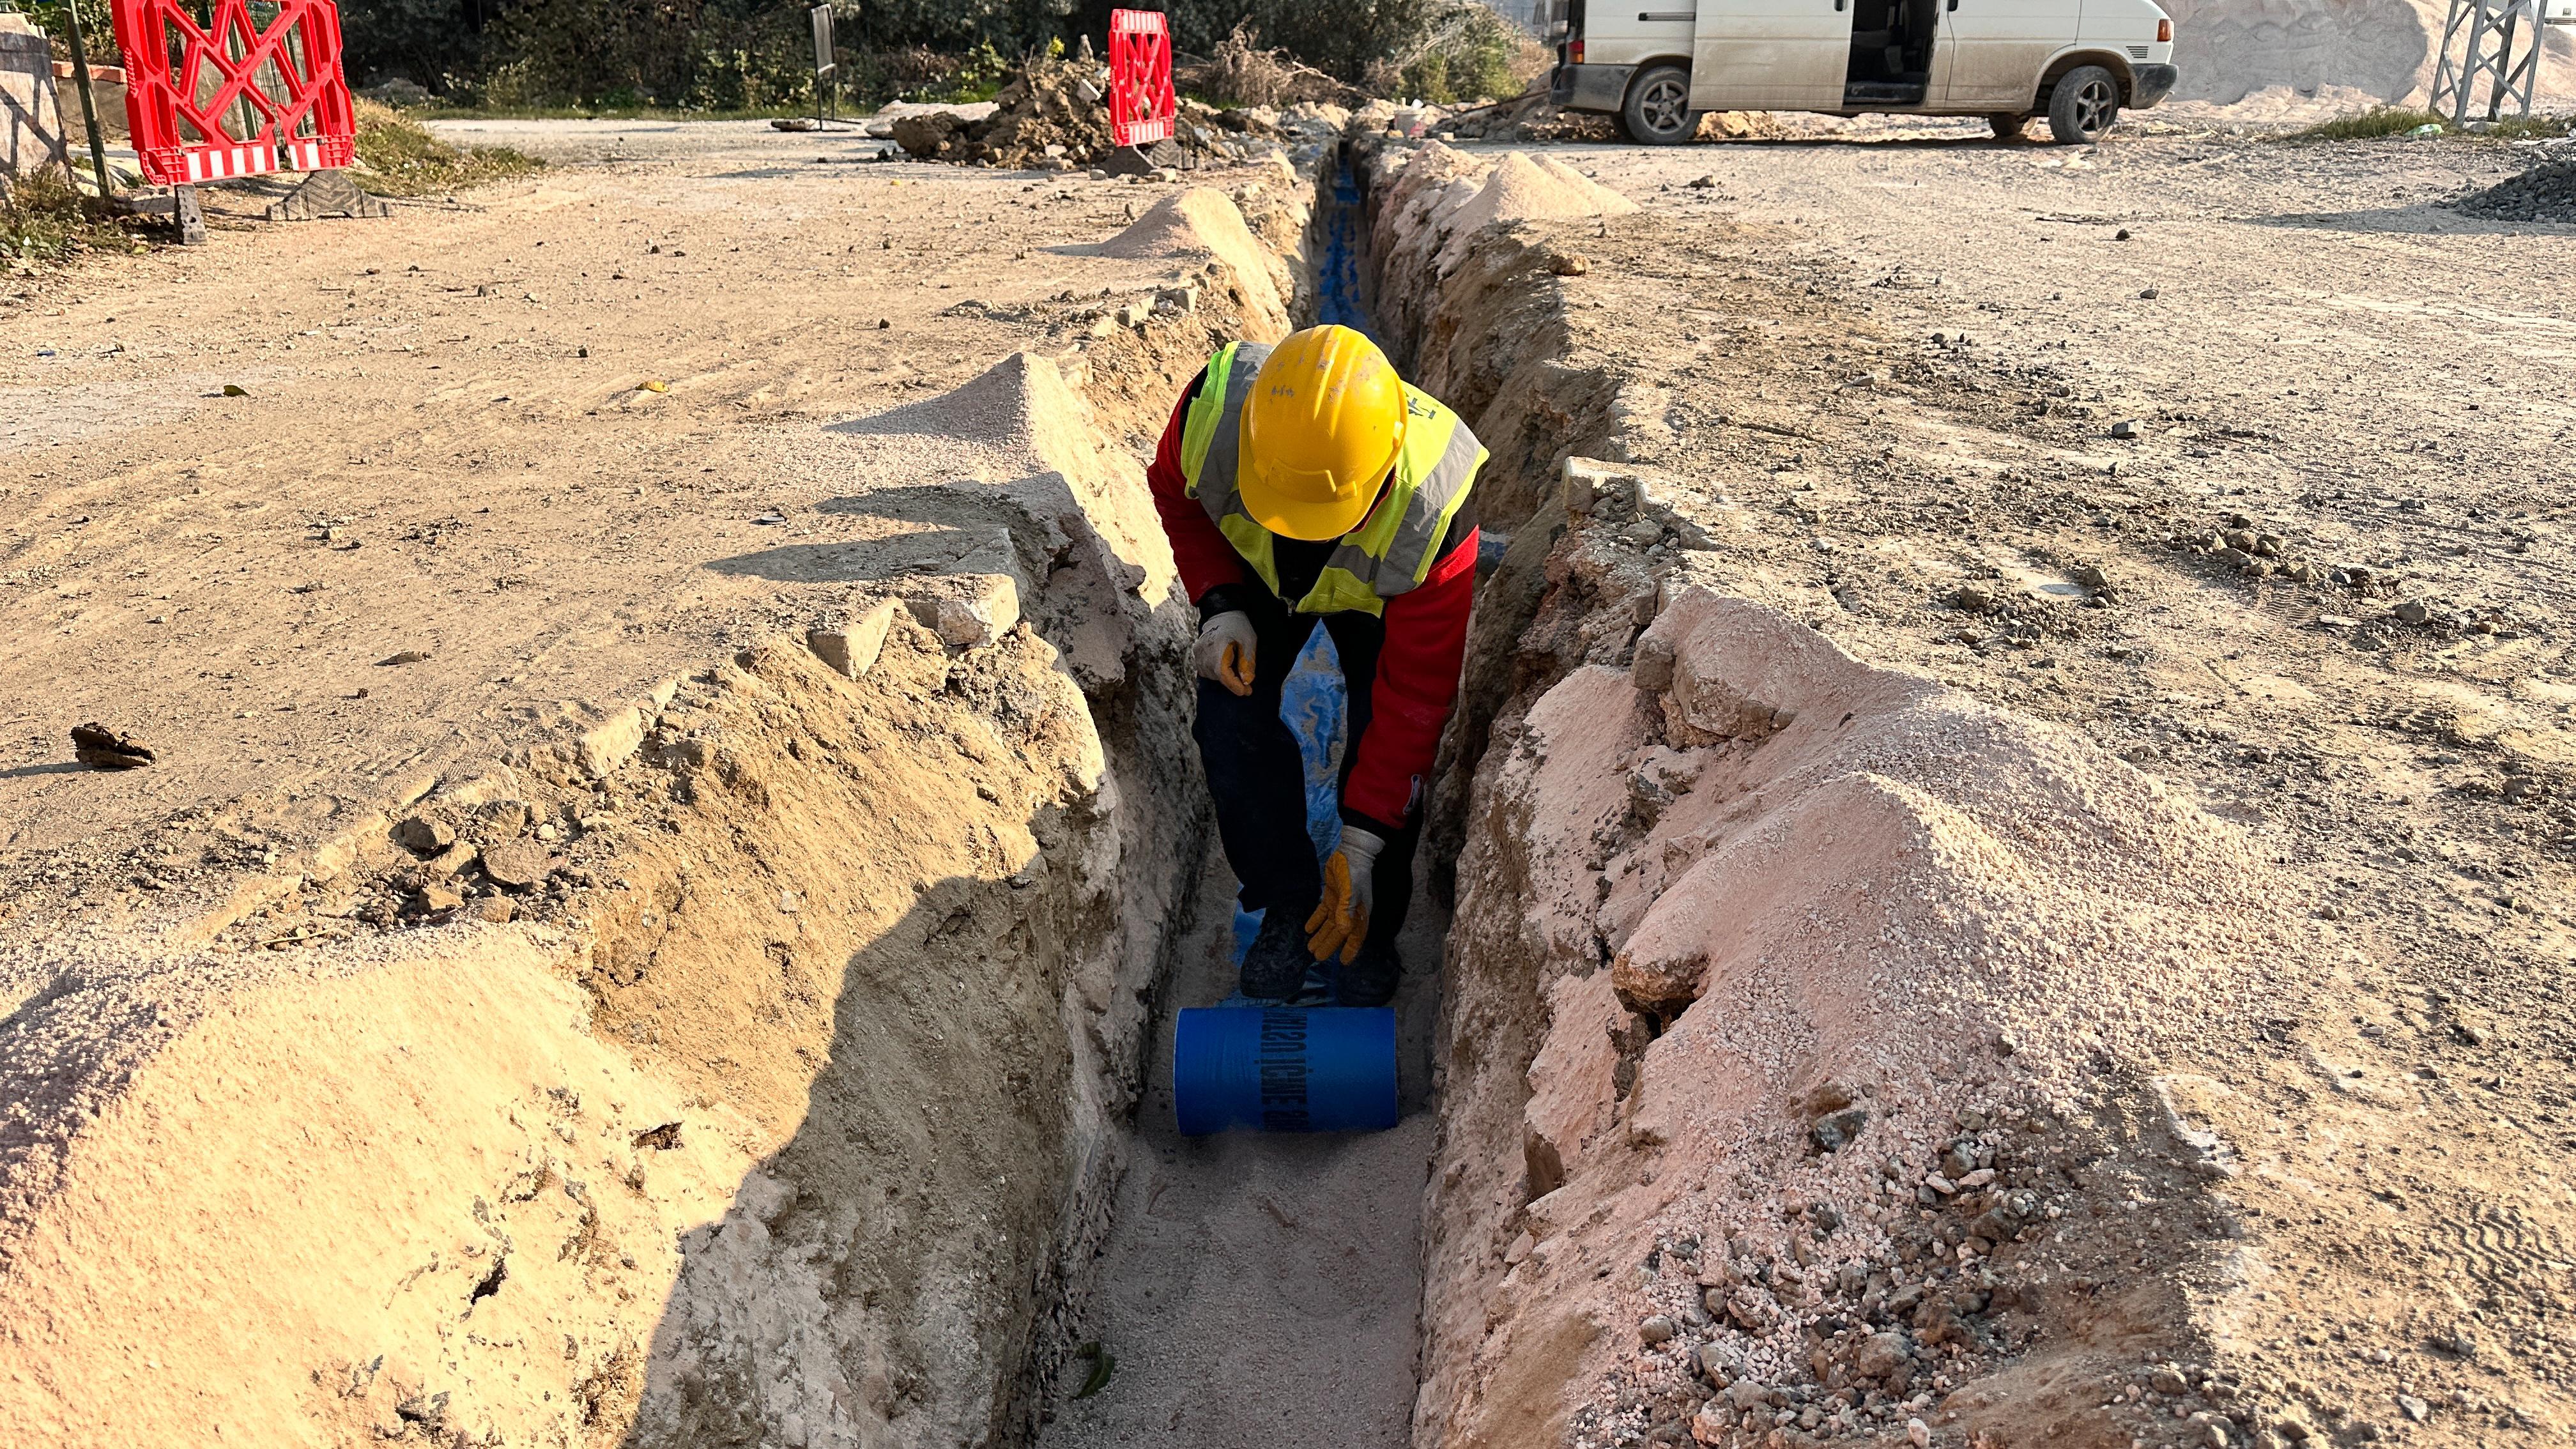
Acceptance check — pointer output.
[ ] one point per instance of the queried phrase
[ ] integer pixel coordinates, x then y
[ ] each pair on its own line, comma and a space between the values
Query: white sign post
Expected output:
827, 71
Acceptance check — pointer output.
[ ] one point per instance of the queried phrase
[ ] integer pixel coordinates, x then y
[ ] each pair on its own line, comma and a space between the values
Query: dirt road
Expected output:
560, 439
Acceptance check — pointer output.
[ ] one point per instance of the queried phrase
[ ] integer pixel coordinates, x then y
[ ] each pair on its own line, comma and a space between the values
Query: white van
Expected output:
2077, 62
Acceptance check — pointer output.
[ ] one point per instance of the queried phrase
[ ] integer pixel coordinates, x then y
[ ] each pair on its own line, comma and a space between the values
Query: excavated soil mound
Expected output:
1521, 187
1196, 223
1862, 938
2546, 192
1054, 109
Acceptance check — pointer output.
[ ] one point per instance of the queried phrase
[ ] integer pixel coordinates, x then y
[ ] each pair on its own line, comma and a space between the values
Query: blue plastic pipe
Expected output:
1284, 1069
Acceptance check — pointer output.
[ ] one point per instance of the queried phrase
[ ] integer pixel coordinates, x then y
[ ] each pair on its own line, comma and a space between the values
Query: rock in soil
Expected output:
106, 749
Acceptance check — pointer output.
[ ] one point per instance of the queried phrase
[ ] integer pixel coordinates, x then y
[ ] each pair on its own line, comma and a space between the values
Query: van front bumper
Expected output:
1590, 87
2152, 83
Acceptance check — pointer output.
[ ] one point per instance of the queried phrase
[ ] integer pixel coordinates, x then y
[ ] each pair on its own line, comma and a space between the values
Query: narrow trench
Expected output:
1265, 1289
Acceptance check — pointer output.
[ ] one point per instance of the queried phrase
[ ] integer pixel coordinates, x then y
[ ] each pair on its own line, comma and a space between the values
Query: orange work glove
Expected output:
1341, 919
1225, 650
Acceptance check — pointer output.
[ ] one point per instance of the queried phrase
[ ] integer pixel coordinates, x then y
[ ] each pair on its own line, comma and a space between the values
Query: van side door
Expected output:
1785, 55
1999, 48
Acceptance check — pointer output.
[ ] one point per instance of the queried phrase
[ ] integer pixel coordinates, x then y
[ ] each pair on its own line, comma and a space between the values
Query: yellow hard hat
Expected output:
1320, 433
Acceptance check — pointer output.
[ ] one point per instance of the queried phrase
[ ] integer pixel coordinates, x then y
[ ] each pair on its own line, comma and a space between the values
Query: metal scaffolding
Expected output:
2496, 42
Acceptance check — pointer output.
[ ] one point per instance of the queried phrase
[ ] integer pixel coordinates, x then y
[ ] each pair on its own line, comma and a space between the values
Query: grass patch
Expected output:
2384, 121
2370, 125
2526, 128
402, 158
46, 221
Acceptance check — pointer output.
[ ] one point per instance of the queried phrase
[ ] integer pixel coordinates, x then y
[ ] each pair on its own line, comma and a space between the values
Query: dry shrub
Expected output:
1242, 73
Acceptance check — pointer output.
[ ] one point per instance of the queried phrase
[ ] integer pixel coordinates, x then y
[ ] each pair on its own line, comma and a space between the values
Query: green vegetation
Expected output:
2369, 125
98, 34
403, 159
756, 56
44, 220
1474, 55
2384, 121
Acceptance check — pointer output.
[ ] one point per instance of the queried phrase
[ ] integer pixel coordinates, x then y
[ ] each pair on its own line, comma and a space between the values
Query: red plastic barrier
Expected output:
258, 90
1141, 102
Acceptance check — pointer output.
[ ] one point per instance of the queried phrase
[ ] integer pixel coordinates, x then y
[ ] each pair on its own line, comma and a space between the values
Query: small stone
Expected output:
2121, 235
2413, 611
2168, 1380
1704, 183
1520, 1250
2127, 428
2092, 577
516, 864
437, 898
2414, 1408
851, 649
102, 748
1657, 1329
988, 609
1832, 1132
408, 656
1918, 1433
1569, 265
789, 903
450, 862
424, 834
2147, 295
1883, 1354
1969, 599
495, 909
1719, 1364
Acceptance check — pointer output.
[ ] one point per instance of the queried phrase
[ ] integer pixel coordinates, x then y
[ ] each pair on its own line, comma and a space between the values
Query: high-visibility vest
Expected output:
1393, 548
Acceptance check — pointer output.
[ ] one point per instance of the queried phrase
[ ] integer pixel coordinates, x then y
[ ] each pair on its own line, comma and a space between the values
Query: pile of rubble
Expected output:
1054, 111
2546, 192
1054, 116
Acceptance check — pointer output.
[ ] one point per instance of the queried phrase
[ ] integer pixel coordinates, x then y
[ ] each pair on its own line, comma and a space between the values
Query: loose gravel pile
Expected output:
2546, 192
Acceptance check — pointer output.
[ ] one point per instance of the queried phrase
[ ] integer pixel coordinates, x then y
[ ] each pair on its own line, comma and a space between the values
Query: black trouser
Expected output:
1258, 779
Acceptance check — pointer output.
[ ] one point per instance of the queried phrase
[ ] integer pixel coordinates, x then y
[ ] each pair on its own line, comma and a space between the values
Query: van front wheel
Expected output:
1657, 111
2082, 105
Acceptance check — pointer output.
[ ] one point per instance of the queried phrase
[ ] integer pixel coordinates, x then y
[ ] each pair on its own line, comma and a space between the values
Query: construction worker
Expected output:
1306, 481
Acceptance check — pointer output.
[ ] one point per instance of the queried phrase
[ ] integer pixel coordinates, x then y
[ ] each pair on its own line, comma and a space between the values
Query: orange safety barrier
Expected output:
1141, 103
258, 89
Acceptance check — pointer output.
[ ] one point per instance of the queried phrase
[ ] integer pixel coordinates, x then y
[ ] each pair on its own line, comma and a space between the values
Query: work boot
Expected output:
1274, 969
1370, 980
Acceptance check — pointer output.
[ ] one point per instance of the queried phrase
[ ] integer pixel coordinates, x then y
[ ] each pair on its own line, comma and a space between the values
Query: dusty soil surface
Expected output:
2242, 462
564, 441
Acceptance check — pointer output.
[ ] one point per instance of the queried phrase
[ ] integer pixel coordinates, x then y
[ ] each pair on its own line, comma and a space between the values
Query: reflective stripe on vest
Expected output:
1393, 548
